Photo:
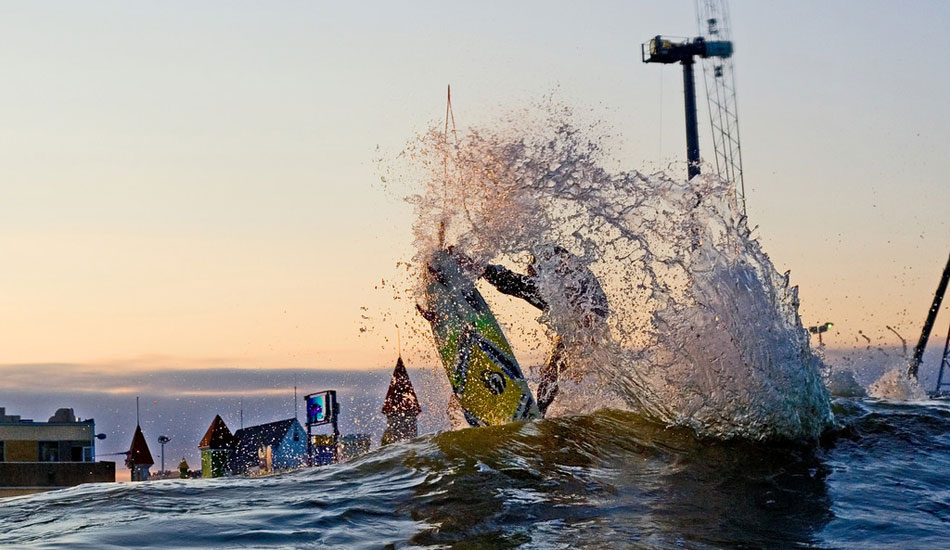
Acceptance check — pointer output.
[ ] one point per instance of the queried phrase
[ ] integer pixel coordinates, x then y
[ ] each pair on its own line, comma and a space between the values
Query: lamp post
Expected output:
163, 439
819, 329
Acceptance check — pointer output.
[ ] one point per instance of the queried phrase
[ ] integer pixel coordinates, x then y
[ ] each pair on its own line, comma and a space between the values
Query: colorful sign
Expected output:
321, 407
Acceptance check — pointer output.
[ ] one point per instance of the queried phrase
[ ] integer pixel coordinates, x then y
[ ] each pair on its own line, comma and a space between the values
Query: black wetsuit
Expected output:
526, 287
515, 284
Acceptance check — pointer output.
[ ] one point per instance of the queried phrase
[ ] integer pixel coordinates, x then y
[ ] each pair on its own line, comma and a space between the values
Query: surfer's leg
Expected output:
547, 387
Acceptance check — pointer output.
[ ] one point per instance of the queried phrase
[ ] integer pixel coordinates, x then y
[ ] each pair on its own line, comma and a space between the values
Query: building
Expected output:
39, 456
216, 447
139, 458
275, 446
354, 445
401, 406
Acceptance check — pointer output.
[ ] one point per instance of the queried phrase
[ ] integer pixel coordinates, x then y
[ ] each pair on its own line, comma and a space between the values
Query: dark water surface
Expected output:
602, 481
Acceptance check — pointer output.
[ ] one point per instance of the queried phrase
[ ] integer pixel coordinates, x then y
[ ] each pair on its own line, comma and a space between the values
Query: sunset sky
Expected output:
192, 185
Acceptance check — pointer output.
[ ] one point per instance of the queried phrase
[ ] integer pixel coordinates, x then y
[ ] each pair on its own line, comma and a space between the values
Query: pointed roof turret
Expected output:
401, 398
218, 435
139, 455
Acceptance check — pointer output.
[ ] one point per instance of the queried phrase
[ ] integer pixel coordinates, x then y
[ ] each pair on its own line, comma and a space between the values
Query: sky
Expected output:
197, 185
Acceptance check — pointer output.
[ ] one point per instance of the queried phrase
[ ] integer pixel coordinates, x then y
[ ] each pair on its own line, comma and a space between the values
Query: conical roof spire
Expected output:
218, 435
401, 398
139, 455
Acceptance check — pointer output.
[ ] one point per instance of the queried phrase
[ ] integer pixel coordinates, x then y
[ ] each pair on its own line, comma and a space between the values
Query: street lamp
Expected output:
819, 329
163, 439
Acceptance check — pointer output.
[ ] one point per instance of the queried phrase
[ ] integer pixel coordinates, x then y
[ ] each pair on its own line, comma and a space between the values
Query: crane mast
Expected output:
718, 77
714, 48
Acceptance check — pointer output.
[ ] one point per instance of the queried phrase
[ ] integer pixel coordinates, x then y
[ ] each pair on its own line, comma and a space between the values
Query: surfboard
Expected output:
478, 360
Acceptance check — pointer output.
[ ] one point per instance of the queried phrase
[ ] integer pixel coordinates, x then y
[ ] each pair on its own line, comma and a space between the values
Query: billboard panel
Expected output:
320, 407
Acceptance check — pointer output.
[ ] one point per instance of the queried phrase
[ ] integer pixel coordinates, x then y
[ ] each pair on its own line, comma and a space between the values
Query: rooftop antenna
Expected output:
398, 341
137, 411
295, 396
241, 412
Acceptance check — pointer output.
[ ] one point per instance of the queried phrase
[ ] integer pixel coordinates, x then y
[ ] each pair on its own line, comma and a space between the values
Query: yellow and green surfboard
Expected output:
478, 360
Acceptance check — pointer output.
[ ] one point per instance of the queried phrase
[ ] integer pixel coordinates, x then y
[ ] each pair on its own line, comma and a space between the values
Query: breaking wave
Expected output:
703, 332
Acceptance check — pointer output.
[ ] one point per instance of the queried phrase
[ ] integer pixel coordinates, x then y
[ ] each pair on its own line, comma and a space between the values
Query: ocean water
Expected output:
606, 480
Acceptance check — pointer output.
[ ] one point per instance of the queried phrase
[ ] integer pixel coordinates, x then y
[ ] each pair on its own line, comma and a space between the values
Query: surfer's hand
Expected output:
467, 263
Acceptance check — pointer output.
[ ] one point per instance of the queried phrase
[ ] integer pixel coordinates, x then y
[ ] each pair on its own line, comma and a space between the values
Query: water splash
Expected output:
703, 332
895, 384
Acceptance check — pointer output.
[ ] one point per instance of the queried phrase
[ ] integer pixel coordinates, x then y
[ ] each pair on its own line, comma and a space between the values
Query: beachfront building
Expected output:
39, 456
262, 449
216, 447
401, 406
354, 445
139, 458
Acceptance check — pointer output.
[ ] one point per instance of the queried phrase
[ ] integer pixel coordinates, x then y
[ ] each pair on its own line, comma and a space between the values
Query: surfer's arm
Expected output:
514, 284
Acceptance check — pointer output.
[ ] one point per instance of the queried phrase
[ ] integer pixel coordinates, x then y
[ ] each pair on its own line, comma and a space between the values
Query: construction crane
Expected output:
718, 74
714, 47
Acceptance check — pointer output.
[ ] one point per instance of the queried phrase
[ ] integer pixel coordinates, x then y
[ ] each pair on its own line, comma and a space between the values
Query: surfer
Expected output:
580, 293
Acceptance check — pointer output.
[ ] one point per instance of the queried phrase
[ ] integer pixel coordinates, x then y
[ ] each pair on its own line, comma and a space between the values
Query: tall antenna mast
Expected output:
137, 411
295, 396
449, 114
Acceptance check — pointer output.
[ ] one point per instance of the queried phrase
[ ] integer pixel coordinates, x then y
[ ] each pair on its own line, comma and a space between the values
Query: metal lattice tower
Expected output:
718, 75
944, 366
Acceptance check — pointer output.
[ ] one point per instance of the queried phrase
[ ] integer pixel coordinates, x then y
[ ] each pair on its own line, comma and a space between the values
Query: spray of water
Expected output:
702, 331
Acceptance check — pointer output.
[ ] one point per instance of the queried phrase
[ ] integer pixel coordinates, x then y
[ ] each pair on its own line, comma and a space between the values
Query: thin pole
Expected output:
692, 125
137, 423
929, 323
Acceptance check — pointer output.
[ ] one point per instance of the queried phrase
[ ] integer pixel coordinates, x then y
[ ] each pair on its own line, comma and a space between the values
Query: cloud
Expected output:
86, 378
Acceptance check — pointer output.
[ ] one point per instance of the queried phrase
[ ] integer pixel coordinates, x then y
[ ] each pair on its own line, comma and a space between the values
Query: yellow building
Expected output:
38, 456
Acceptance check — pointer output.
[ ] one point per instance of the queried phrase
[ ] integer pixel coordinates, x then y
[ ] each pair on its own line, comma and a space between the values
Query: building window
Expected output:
49, 451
